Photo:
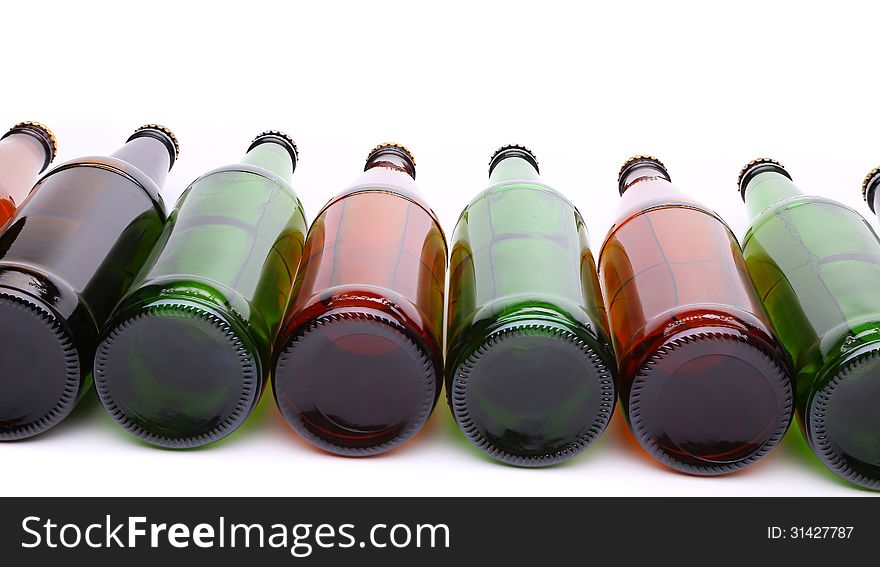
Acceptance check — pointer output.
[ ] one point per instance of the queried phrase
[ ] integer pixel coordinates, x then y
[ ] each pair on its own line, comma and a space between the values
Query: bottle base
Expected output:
532, 395
355, 383
39, 368
177, 375
710, 403
843, 421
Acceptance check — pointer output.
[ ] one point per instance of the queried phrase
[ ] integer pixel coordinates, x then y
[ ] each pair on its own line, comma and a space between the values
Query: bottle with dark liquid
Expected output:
186, 355
529, 362
26, 150
67, 256
704, 382
358, 360
816, 265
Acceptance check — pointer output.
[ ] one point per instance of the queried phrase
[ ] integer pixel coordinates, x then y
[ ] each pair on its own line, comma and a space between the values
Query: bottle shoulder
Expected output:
520, 186
775, 212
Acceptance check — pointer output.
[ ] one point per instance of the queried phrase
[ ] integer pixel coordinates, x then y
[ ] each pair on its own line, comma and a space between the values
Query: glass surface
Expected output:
359, 358
816, 263
528, 361
188, 352
703, 380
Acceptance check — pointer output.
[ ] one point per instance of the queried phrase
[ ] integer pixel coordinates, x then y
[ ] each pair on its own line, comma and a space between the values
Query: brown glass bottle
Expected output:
67, 256
358, 360
704, 382
26, 150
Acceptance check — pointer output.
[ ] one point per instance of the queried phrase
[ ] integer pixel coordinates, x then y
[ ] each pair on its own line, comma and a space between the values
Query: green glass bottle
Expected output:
529, 362
67, 256
186, 355
816, 266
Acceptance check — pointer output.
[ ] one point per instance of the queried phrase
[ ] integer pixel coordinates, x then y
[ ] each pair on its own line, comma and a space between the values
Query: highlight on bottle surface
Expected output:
816, 264
704, 382
358, 360
67, 256
187, 353
529, 360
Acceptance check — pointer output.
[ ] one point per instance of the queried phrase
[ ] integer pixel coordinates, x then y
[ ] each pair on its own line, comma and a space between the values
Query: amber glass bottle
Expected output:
358, 360
529, 359
67, 256
704, 382
186, 355
26, 150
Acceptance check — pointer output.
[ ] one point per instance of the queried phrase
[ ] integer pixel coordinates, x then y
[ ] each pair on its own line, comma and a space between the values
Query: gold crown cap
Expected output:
753, 163
393, 145
640, 157
871, 175
49, 134
280, 134
164, 130
512, 147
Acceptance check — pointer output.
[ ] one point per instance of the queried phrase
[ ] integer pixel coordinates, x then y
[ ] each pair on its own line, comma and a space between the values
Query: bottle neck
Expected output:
273, 157
148, 155
391, 159
767, 188
645, 172
22, 158
513, 168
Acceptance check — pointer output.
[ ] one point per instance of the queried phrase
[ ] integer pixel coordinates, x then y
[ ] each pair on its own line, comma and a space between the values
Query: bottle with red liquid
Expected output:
26, 150
704, 382
358, 361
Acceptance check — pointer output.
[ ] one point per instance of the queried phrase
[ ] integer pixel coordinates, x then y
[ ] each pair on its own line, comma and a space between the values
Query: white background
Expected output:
704, 87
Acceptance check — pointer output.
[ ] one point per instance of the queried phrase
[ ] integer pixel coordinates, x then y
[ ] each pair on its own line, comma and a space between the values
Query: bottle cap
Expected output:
42, 133
869, 186
637, 161
513, 150
280, 138
162, 134
396, 149
755, 167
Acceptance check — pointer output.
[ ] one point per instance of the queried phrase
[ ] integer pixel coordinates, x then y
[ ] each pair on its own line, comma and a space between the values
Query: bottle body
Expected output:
815, 263
358, 359
529, 362
67, 256
703, 380
187, 353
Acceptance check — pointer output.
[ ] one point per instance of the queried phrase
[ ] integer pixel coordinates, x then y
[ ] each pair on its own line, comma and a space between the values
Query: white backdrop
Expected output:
705, 88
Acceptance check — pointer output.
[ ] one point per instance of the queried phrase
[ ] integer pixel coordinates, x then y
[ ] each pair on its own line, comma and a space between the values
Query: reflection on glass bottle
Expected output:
67, 256
816, 265
704, 382
529, 361
26, 150
187, 353
358, 360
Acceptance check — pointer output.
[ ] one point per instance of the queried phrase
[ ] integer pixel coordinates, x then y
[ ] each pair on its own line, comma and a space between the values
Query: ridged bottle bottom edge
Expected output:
669, 459
824, 448
72, 373
297, 422
457, 396
247, 399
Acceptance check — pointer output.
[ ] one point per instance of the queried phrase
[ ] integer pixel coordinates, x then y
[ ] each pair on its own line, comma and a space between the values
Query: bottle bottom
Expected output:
710, 403
844, 421
532, 395
39, 368
355, 383
177, 376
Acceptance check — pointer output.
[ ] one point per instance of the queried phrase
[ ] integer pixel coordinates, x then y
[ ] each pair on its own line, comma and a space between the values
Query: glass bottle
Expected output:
187, 353
529, 361
705, 384
358, 360
67, 256
816, 265
26, 150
